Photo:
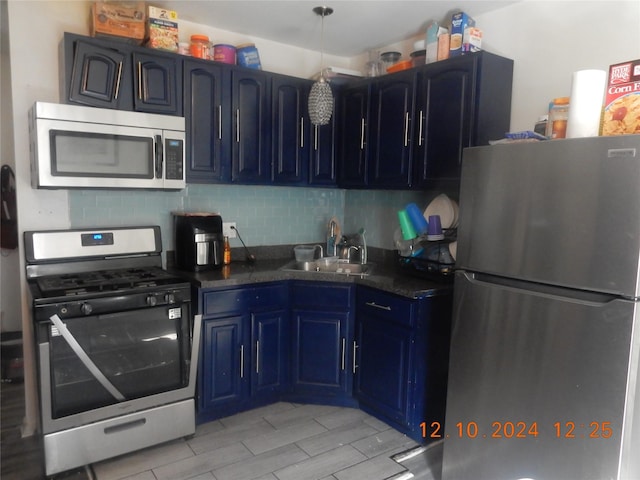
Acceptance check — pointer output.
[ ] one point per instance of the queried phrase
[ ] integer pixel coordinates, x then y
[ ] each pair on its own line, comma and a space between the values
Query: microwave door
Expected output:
87, 155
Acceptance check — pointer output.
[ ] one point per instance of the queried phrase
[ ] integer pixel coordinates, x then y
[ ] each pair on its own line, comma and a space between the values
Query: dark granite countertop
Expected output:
384, 276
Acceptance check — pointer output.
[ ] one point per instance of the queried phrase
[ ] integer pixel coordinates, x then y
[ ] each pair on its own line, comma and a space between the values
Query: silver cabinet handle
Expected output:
354, 364
381, 307
219, 122
301, 132
237, 125
257, 356
362, 134
343, 353
241, 361
117, 81
315, 137
420, 130
406, 129
140, 80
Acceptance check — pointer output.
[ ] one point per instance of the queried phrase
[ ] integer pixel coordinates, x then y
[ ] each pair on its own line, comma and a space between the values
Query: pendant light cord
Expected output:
322, 46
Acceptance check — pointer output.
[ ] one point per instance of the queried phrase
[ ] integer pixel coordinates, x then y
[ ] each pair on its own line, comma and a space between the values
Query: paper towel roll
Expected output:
585, 106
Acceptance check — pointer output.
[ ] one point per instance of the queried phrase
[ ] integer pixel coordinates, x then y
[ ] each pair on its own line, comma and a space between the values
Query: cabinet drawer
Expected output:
216, 302
386, 305
270, 296
321, 295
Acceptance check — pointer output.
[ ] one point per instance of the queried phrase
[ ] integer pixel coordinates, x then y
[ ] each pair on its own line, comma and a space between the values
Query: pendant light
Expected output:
320, 96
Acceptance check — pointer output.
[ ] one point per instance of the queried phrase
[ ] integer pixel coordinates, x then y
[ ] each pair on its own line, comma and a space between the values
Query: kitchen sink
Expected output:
339, 268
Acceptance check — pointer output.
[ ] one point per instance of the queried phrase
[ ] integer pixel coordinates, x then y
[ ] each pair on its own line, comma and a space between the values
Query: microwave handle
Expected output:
159, 156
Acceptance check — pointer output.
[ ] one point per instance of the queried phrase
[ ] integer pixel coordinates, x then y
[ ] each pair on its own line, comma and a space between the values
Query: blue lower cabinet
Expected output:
244, 359
322, 342
384, 364
329, 343
319, 348
270, 354
221, 374
402, 360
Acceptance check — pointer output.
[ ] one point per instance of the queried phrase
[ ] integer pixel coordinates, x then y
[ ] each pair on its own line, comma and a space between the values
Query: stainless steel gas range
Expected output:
116, 342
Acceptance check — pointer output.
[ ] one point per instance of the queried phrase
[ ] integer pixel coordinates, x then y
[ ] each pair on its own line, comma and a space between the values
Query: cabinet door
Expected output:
158, 83
224, 362
270, 347
322, 168
391, 133
251, 129
354, 136
383, 367
320, 358
101, 77
207, 118
290, 130
445, 114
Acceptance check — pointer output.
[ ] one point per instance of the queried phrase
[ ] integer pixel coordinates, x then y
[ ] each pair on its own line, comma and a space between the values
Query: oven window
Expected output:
100, 155
141, 352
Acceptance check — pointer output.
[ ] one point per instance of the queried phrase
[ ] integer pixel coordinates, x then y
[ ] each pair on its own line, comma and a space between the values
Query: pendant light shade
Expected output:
321, 96
320, 102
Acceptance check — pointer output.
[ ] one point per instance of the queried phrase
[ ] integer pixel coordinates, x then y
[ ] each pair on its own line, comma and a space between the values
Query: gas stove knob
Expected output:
170, 298
86, 308
152, 301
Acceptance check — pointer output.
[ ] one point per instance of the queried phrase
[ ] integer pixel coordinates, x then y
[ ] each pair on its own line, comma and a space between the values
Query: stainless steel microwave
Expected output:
86, 147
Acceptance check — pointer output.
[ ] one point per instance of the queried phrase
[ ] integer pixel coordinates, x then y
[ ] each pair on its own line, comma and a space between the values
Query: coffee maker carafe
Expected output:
198, 241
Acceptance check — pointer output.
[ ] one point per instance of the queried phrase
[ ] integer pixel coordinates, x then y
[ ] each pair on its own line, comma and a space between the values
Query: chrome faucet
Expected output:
332, 248
321, 251
363, 254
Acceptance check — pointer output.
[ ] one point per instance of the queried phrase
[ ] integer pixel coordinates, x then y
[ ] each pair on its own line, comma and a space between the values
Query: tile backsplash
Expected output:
264, 215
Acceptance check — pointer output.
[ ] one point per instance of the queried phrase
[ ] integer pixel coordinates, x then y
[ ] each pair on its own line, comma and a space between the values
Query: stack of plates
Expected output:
445, 207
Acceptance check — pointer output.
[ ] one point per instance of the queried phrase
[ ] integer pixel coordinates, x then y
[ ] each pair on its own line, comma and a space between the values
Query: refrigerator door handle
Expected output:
539, 289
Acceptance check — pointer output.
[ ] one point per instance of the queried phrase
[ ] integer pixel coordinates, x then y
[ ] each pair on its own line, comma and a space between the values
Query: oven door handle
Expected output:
84, 358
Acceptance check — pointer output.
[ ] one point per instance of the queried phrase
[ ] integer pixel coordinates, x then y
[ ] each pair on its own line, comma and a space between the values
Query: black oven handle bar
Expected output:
84, 358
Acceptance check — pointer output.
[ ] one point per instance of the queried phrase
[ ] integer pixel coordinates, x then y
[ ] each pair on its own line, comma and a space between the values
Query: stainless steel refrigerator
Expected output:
545, 349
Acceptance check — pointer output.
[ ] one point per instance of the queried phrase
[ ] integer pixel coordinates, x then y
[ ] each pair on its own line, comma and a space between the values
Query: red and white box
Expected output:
621, 115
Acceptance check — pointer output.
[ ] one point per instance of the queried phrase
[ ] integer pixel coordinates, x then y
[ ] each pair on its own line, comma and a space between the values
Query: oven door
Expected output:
136, 359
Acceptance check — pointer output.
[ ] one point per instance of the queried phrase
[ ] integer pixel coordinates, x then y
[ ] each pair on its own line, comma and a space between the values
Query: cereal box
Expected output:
622, 99
162, 29
433, 31
444, 40
124, 20
472, 40
459, 22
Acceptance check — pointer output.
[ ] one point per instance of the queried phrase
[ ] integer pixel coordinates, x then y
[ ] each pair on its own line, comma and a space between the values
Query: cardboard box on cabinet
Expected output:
162, 29
125, 20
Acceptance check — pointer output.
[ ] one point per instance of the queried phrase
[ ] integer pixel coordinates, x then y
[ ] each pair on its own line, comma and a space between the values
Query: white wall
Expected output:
547, 39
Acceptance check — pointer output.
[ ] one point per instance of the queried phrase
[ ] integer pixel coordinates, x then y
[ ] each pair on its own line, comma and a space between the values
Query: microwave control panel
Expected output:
174, 155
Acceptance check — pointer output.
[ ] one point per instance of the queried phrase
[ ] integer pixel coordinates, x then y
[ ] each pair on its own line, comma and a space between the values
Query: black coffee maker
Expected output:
199, 242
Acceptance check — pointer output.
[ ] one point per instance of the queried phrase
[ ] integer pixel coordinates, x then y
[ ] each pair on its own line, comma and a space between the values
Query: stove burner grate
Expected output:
103, 280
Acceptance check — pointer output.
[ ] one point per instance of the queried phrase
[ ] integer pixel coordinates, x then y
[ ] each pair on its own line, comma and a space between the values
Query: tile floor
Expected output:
282, 441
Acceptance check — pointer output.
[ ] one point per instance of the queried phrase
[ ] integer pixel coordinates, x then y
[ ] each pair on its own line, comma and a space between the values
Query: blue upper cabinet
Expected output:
462, 102
251, 142
354, 136
207, 107
391, 134
157, 83
290, 130
107, 74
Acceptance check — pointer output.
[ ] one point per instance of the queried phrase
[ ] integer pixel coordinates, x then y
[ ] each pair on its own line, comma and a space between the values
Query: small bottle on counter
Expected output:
226, 252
